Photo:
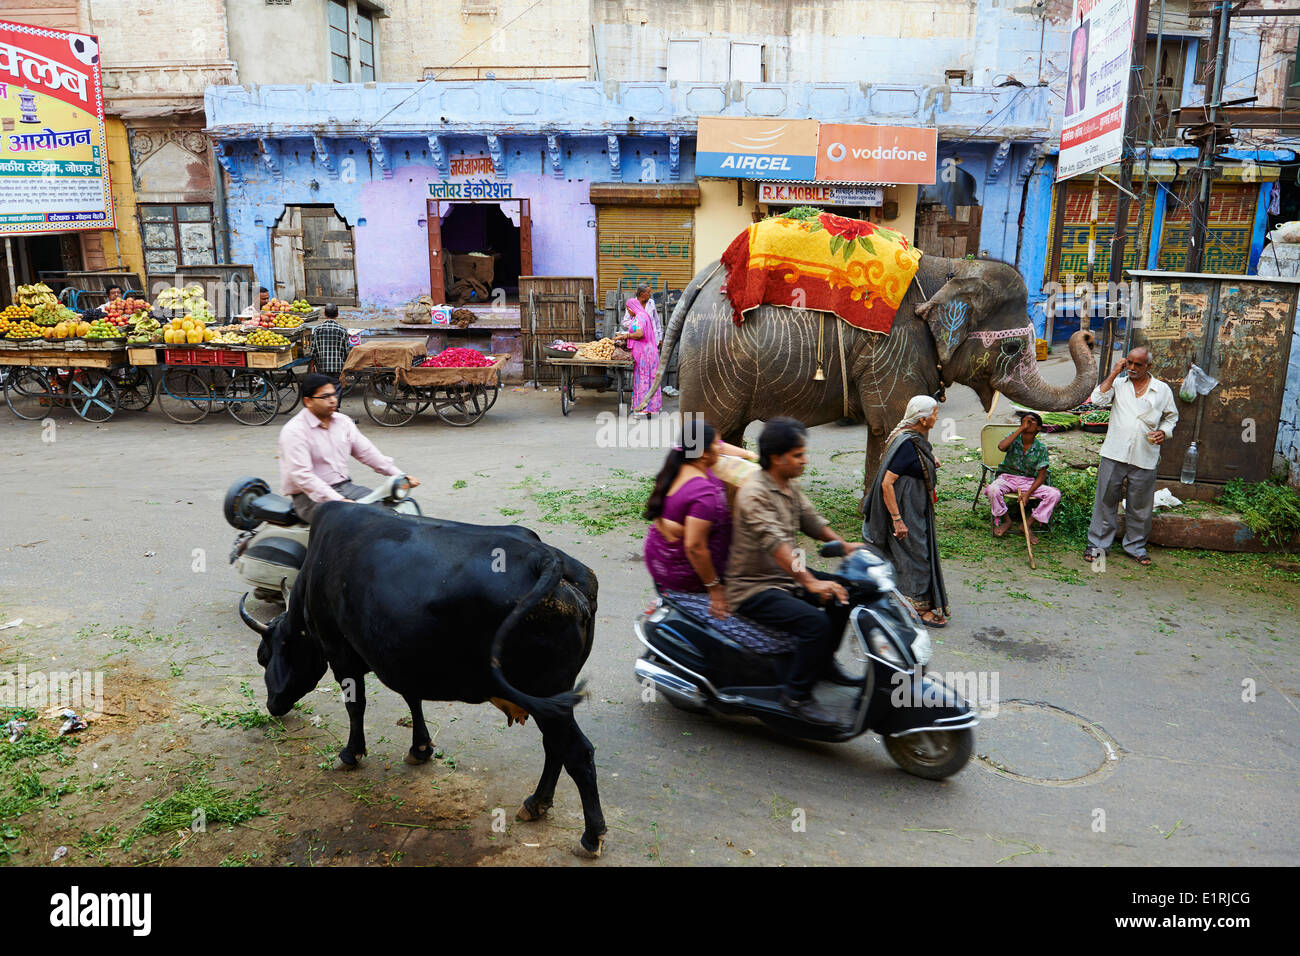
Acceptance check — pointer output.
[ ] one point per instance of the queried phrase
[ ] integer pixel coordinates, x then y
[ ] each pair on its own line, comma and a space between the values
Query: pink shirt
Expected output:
312, 457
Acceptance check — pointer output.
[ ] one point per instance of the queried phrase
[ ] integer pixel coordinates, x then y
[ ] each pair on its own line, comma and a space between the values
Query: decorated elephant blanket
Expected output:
855, 269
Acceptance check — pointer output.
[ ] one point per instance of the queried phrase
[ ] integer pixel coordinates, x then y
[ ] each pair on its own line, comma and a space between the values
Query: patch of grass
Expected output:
596, 510
246, 717
176, 811
1269, 509
458, 484
22, 768
511, 512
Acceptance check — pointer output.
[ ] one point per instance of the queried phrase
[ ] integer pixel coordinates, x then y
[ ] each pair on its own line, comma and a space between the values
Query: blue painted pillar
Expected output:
1157, 225
1261, 226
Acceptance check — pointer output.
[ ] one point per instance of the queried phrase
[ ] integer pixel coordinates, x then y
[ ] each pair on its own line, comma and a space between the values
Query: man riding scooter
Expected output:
315, 447
767, 580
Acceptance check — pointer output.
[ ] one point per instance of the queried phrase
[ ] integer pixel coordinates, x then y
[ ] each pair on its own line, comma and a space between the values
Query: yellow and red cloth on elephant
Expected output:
828, 263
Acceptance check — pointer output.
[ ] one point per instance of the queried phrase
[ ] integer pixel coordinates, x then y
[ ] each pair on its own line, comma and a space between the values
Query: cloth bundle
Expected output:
855, 269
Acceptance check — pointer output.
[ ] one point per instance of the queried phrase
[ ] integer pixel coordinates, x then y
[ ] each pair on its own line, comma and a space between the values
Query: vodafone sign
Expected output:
880, 154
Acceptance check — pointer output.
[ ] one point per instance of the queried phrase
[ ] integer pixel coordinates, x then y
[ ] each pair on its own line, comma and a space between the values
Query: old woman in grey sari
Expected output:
900, 511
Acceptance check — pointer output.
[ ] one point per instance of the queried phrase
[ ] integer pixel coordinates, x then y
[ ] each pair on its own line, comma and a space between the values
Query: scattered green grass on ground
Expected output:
216, 805
247, 717
615, 503
24, 766
1270, 509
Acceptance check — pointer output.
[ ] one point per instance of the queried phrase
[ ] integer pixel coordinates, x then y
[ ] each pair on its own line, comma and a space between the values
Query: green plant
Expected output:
1270, 510
459, 483
176, 811
800, 212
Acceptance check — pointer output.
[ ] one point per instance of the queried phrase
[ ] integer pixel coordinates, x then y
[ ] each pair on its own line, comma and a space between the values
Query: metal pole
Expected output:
1205, 167
1119, 239
9, 260
1085, 317
1055, 296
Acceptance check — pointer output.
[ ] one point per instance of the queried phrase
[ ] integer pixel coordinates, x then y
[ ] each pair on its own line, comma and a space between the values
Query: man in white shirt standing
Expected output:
1142, 416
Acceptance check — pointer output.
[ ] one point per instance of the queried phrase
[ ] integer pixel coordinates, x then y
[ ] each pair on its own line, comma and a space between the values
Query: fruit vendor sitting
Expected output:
1023, 472
316, 446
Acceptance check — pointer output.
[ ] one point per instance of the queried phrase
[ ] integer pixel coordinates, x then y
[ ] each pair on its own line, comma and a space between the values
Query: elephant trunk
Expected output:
1027, 387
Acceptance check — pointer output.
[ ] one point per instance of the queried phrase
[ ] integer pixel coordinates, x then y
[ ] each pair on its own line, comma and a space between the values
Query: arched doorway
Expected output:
313, 257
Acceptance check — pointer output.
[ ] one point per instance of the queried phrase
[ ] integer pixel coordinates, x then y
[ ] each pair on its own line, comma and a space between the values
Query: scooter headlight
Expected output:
882, 576
401, 489
883, 647
921, 648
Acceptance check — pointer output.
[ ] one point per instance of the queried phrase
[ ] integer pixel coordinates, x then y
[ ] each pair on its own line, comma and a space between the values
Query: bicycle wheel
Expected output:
289, 389
252, 398
27, 393
91, 394
135, 387
184, 397
388, 403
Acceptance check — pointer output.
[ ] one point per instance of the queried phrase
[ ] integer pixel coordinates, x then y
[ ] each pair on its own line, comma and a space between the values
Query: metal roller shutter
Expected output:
651, 243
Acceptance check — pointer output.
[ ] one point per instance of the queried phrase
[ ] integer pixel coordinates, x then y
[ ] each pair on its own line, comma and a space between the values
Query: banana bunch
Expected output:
184, 301
36, 295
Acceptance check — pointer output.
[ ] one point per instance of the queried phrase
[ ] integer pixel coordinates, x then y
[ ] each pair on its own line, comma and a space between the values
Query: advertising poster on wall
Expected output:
1096, 85
53, 157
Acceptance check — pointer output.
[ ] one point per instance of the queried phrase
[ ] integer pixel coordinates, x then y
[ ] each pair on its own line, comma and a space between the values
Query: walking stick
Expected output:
1024, 523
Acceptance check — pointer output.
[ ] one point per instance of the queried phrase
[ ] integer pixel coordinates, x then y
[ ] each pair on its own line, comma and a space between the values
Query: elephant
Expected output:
958, 322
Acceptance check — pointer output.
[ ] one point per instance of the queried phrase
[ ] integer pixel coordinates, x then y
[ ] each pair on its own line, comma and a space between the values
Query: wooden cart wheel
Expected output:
135, 387
460, 405
91, 394
492, 391
252, 398
27, 393
388, 403
184, 397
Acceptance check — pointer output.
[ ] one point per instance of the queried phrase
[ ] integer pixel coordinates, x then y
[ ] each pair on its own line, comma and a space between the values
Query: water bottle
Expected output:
1189, 465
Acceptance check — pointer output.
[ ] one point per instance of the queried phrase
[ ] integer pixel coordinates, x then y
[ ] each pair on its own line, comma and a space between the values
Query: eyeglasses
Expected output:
323, 398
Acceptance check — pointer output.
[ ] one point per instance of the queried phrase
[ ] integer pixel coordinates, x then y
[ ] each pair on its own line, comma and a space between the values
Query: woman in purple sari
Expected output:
642, 338
690, 519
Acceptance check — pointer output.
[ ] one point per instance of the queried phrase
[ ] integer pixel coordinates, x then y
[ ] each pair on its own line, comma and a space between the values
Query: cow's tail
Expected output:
561, 705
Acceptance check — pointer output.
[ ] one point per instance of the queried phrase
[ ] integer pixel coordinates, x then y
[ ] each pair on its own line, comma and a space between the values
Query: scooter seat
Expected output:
748, 634
275, 509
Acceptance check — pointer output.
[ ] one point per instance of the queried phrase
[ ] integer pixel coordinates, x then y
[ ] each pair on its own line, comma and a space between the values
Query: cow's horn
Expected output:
251, 621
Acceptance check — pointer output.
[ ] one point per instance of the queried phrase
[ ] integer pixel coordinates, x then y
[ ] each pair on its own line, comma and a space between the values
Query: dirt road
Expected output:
1143, 716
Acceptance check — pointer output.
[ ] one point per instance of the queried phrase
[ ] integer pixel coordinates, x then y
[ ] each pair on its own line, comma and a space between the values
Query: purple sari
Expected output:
645, 359
703, 498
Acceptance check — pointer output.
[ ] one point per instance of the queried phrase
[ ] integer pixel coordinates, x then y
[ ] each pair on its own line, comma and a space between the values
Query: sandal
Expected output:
1091, 555
1144, 560
937, 621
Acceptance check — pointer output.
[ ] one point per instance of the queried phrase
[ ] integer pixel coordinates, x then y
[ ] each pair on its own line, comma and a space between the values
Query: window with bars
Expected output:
176, 235
340, 50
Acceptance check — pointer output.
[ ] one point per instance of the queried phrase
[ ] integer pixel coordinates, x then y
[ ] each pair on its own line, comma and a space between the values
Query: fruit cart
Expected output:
94, 381
395, 390
619, 369
197, 378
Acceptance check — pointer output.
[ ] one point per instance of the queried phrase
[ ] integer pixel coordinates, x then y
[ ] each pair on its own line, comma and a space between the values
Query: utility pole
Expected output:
1209, 137
1119, 240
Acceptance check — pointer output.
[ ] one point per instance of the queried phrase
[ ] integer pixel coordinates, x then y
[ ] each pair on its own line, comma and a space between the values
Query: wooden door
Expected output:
939, 234
525, 240
286, 255
328, 260
437, 282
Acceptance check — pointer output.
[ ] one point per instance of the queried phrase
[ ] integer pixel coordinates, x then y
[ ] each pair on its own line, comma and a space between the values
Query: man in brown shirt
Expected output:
767, 579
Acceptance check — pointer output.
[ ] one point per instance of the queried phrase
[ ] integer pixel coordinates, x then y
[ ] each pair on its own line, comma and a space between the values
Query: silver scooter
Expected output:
272, 542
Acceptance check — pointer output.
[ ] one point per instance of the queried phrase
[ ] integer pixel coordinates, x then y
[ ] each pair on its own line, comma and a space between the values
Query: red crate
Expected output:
230, 359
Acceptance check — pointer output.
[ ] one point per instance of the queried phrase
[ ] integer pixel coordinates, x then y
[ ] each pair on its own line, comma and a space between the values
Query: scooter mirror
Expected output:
832, 549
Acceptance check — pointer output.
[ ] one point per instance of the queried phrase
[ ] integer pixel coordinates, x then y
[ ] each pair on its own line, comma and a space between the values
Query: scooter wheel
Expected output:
239, 496
932, 754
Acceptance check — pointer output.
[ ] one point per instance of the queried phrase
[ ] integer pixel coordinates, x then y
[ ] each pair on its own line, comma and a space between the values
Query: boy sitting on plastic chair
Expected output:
1023, 472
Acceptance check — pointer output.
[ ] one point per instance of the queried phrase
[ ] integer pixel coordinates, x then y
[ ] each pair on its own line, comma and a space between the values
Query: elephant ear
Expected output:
952, 313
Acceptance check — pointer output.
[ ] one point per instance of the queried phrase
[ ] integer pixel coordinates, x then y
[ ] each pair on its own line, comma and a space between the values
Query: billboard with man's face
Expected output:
1096, 85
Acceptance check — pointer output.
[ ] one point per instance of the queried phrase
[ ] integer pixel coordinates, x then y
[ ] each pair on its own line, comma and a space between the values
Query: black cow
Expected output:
440, 610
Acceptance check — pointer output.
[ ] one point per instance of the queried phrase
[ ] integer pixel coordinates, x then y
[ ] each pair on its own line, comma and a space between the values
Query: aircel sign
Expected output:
743, 148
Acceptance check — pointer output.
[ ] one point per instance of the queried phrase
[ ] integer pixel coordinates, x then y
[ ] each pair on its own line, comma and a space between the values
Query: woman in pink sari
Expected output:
642, 339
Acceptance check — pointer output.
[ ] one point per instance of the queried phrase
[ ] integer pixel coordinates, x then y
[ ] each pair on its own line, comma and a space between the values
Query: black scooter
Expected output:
735, 667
